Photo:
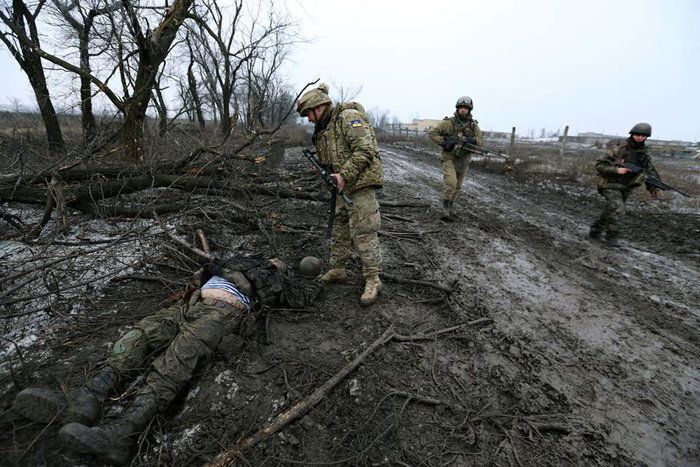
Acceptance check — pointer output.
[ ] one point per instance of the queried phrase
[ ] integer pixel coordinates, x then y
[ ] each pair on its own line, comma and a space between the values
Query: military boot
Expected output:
612, 241
337, 275
40, 404
47, 405
595, 232
86, 402
372, 288
446, 209
112, 441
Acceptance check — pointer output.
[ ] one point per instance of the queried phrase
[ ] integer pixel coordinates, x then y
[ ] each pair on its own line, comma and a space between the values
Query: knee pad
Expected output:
128, 342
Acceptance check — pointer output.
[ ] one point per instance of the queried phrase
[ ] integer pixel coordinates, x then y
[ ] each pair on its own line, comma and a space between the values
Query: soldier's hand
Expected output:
622, 170
472, 141
340, 180
448, 144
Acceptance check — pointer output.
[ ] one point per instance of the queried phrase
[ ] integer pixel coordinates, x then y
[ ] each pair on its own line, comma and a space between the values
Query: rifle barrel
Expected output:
326, 176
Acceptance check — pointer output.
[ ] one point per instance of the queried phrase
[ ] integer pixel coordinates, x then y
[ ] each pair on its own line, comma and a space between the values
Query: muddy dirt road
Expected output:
579, 355
613, 331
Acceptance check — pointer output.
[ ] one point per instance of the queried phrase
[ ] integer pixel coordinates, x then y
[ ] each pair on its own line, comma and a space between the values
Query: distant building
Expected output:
603, 140
426, 124
423, 124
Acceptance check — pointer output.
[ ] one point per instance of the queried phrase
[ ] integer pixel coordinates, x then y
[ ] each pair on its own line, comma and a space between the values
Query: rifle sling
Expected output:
331, 214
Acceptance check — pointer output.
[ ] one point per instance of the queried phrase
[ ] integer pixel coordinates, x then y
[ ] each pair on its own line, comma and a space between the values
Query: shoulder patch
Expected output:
356, 123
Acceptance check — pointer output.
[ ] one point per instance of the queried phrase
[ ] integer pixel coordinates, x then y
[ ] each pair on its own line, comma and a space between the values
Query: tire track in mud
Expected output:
614, 331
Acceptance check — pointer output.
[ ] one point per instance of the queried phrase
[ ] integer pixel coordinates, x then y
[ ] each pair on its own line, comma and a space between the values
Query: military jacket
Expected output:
454, 126
346, 141
625, 152
271, 286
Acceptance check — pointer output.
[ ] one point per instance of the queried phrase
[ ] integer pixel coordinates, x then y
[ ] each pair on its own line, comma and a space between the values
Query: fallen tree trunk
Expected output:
85, 196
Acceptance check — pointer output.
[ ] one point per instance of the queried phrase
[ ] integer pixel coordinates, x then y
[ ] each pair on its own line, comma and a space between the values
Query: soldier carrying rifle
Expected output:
616, 181
455, 158
345, 142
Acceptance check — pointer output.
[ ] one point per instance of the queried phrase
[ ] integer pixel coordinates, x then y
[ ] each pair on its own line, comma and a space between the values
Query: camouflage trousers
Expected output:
454, 169
356, 227
180, 338
613, 216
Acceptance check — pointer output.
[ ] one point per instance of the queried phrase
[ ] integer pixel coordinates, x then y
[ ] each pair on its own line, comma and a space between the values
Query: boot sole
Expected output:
40, 405
338, 280
372, 302
368, 303
82, 439
71, 435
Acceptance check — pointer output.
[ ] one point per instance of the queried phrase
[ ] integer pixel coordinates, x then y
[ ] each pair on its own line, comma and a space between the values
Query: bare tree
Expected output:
262, 88
343, 93
379, 118
223, 43
22, 44
137, 67
152, 48
80, 17
192, 86
159, 104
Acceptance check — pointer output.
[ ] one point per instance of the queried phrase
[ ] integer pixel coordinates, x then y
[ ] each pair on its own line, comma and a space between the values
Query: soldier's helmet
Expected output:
312, 99
465, 101
310, 266
641, 129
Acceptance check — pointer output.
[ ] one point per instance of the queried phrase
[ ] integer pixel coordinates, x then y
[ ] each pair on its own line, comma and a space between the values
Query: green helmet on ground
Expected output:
465, 101
312, 99
641, 129
310, 266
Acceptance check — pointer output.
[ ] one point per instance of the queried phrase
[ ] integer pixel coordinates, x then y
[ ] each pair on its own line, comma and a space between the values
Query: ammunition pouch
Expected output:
461, 152
636, 180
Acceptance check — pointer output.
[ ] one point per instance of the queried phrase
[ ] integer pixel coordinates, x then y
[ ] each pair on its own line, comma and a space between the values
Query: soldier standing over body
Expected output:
345, 141
455, 163
615, 183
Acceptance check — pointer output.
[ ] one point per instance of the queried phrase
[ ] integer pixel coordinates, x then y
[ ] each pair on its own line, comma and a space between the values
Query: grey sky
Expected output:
595, 65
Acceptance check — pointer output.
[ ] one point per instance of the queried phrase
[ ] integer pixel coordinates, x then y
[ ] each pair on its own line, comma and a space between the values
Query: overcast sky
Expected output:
596, 66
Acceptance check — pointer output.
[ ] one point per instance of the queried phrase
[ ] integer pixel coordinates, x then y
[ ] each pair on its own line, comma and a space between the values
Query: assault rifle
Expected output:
326, 175
464, 143
332, 183
650, 180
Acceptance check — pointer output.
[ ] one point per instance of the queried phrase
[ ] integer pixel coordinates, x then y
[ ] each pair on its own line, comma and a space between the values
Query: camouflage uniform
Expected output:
189, 334
455, 167
345, 140
616, 188
181, 337
185, 335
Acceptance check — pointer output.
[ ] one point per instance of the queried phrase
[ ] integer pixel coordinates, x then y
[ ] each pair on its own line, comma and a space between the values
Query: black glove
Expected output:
448, 144
472, 141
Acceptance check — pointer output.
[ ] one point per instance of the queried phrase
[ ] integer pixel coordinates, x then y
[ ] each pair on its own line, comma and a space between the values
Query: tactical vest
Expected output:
334, 151
624, 153
270, 285
463, 130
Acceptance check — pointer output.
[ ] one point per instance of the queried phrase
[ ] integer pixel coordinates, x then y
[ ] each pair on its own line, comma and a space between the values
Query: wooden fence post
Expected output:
510, 162
563, 141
